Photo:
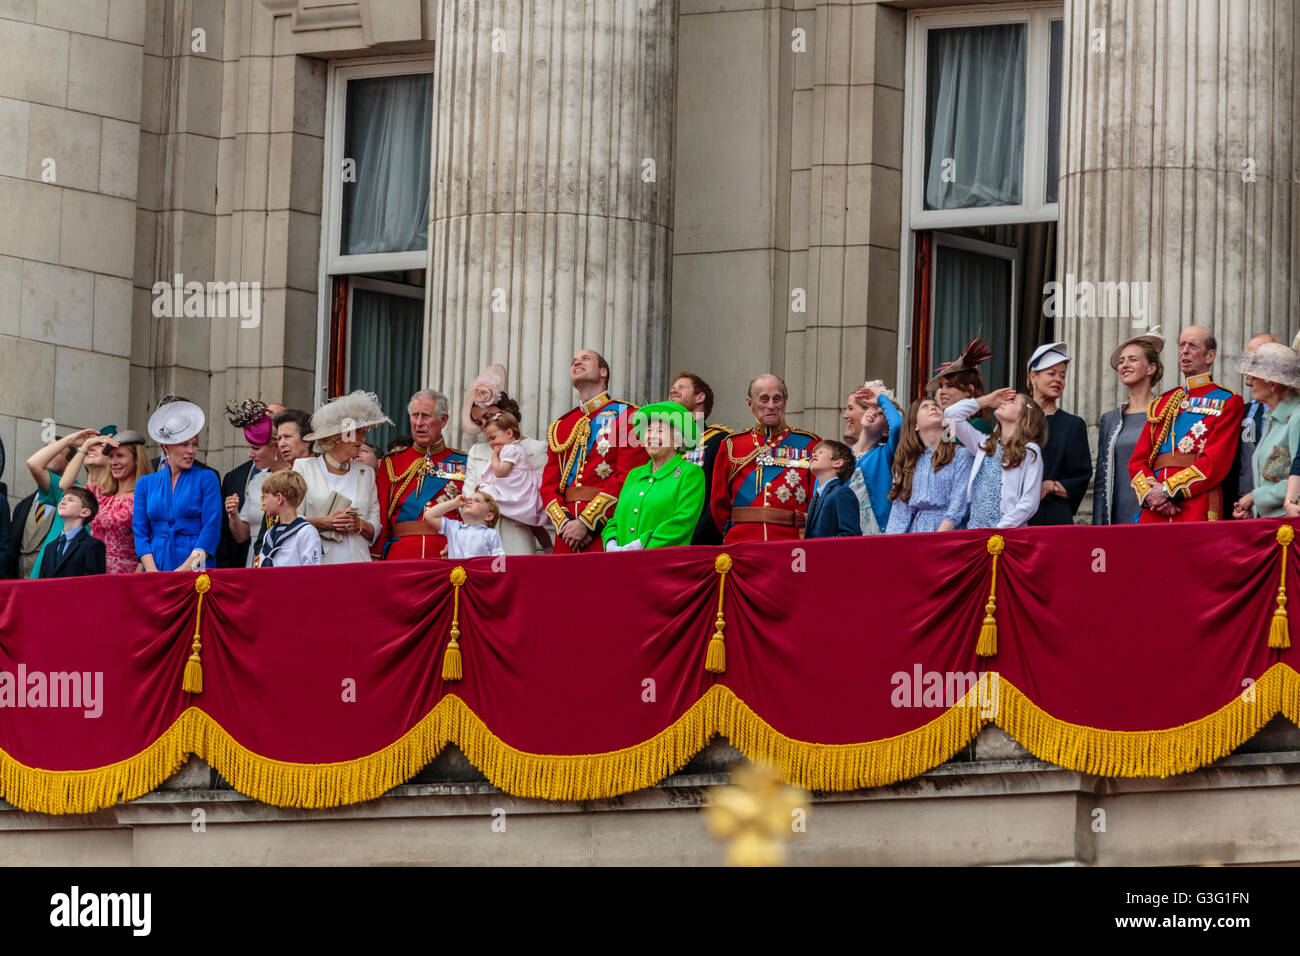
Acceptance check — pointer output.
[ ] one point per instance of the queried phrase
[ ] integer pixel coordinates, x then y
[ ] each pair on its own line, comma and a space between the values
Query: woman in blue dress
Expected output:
177, 518
930, 474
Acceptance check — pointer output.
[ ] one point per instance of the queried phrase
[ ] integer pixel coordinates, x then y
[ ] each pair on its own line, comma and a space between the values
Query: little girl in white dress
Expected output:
510, 477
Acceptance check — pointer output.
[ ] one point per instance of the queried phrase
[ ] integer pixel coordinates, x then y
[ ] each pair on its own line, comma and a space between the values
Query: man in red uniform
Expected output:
761, 485
409, 480
590, 450
1187, 446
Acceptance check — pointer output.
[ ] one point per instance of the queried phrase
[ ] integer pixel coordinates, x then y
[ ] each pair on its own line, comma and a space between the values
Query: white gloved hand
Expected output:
612, 547
636, 545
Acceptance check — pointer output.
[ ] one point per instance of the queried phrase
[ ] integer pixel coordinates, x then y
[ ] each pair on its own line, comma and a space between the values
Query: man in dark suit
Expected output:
75, 553
694, 394
834, 509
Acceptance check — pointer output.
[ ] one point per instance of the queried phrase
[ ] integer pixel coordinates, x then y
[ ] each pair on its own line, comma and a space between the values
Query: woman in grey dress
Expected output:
1137, 361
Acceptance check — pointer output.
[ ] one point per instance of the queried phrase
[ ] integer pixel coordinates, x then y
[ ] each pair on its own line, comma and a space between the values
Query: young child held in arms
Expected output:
511, 478
1005, 480
475, 534
290, 541
834, 509
75, 553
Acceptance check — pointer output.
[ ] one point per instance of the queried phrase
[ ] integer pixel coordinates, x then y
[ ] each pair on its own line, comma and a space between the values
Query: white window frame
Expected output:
374, 285
993, 251
913, 197
336, 263
330, 263
1033, 206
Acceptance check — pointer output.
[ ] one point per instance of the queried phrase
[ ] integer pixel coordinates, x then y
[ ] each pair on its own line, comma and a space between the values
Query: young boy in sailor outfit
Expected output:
290, 541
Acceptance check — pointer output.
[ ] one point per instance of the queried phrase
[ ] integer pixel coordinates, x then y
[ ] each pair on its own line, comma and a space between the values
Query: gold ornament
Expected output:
757, 813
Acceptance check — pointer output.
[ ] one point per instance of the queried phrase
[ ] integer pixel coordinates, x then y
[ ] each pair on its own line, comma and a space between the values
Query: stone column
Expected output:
1180, 168
545, 235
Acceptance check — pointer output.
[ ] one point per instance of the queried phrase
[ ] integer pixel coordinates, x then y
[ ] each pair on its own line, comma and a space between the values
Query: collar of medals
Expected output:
417, 470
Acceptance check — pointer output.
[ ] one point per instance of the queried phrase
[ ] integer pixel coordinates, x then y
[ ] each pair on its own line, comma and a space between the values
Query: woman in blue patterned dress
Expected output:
930, 474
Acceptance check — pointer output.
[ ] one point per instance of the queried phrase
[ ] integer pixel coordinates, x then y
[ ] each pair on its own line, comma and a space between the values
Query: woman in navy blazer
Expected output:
834, 509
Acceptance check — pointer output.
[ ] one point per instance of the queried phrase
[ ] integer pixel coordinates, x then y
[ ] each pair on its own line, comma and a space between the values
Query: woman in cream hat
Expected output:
1273, 373
177, 514
341, 502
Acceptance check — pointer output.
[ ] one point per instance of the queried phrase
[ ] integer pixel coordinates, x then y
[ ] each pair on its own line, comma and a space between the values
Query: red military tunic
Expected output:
761, 485
406, 482
1188, 445
589, 452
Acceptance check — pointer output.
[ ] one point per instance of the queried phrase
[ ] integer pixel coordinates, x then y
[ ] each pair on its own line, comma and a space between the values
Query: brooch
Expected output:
677, 472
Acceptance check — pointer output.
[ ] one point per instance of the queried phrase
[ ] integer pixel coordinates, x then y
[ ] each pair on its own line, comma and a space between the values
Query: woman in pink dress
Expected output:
127, 461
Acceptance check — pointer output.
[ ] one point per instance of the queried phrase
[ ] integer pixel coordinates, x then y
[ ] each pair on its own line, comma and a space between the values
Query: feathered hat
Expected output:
359, 409
253, 416
975, 352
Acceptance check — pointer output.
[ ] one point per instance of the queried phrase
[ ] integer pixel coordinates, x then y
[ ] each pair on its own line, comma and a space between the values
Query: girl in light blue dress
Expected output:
930, 474
1007, 474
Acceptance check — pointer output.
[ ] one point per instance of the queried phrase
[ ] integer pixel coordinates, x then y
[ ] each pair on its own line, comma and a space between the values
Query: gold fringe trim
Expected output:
1149, 753
85, 791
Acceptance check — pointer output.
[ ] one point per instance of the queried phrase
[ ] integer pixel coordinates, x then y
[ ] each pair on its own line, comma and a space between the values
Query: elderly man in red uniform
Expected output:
408, 481
1187, 446
590, 450
761, 485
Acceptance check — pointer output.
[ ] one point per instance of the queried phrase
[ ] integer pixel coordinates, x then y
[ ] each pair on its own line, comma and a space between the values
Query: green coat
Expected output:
660, 508
1273, 454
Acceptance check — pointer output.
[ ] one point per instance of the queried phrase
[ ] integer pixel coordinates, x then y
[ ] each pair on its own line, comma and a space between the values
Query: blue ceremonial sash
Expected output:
412, 506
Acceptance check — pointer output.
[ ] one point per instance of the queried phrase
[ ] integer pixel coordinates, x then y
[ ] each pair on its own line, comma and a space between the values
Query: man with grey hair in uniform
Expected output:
409, 480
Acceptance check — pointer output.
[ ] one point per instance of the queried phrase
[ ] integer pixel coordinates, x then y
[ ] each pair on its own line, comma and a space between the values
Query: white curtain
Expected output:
975, 116
386, 333
388, 130
972, 296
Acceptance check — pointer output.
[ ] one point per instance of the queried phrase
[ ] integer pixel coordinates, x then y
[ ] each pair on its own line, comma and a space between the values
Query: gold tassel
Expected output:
988, 642
1279, 633
192, 683
715, 662
451, 665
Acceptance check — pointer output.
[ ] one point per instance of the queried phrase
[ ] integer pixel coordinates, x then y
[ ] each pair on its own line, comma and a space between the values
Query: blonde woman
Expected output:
341, 502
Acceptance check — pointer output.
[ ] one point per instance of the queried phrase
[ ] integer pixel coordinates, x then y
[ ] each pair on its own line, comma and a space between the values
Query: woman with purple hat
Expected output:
244, 519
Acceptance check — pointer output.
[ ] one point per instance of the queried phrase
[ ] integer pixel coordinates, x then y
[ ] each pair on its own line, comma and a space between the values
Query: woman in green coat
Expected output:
660, 503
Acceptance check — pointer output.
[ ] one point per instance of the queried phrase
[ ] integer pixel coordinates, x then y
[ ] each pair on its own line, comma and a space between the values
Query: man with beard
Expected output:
693, 393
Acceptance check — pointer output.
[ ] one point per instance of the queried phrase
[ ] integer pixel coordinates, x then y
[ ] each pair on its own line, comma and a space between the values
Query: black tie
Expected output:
58, 551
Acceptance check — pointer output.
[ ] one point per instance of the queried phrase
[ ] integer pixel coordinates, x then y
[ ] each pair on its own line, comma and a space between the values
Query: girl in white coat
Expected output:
1005, 480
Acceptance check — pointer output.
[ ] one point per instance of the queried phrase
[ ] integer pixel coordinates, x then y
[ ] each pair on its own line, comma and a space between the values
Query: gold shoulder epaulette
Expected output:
713, 430
806, 433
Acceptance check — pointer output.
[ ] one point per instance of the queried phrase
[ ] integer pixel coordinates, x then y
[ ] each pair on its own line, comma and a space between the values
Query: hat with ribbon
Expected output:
975, 352
176, 422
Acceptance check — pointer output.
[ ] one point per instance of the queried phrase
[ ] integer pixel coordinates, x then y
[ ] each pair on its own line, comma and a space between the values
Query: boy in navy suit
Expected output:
834, 509
74, 553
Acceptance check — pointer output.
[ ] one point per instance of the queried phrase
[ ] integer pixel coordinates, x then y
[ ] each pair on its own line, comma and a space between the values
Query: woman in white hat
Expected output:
1067, 462
341, 502
177, 515
1273, 373
1137, 361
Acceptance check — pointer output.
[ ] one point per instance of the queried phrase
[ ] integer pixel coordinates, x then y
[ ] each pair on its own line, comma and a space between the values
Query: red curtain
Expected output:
1120, 650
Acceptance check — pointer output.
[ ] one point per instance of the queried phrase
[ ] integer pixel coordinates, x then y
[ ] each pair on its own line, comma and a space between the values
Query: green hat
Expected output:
672, 413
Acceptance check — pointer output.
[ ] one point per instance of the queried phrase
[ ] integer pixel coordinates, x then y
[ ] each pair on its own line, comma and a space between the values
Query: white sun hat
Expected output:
356, 410
175, 423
